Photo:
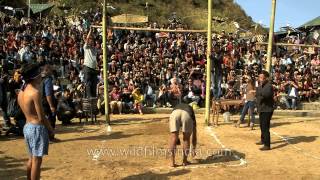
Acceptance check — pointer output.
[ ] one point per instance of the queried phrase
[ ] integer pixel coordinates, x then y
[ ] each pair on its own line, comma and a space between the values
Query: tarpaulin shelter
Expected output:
312, 29
311, 24
41, 9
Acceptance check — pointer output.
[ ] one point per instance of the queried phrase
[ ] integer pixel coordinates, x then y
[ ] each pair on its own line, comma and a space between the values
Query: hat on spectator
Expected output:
30, 72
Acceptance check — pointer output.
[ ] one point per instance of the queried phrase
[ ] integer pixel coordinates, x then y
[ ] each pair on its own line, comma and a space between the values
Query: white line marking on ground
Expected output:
215, 137
285, 139
213, 134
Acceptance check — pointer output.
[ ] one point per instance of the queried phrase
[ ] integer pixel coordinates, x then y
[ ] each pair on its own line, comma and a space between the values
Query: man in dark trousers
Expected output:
265, 107
4, 102
49, 101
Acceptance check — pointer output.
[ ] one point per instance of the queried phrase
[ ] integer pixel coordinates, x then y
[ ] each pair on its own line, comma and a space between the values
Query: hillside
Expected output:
191, 12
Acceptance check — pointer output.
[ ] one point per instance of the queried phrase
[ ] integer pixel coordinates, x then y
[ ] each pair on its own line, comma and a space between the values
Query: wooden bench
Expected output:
216, 107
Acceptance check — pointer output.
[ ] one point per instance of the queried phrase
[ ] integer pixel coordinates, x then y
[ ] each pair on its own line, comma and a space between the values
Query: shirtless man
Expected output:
182, 117
37, 129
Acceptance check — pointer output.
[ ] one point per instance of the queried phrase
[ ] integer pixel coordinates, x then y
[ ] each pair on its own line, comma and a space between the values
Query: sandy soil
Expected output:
135, 149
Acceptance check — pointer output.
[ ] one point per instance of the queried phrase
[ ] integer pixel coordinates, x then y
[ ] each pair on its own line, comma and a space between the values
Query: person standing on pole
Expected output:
265, 105
89, 66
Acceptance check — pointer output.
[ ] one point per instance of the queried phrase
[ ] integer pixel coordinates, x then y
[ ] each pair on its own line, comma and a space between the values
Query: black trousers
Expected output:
91, 81
163, 99
65, 117
52, 119
265, 118
6, 118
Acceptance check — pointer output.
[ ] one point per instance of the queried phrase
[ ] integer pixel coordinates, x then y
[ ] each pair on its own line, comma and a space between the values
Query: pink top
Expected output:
115, 96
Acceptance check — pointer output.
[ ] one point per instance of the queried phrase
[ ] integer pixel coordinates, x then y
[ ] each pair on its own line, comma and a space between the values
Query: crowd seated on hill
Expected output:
150, 69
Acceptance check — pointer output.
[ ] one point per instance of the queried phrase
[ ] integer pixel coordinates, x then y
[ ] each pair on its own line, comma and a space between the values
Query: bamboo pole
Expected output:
29, 8
271, 31
105, 65
153, 30
208, 71
286, 44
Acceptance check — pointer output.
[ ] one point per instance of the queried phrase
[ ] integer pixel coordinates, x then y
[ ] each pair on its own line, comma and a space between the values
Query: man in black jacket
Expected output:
66, 110
265, 107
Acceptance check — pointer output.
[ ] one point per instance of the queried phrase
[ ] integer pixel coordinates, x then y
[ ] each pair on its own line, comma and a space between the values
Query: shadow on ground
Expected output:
114, 135
276, 124
222, 156
294, 140
151, 175
77, 128
92, 128
10, 137
13, 168
136, 121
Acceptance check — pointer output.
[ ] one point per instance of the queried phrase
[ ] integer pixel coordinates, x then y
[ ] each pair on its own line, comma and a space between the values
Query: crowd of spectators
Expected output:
153, 69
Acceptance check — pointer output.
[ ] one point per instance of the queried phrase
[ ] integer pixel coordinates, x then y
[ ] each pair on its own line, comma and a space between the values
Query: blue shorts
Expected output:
37, 139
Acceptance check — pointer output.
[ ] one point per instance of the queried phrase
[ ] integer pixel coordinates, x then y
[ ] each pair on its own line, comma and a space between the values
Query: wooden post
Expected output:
271, 31
29, 9
208, 71
105, 62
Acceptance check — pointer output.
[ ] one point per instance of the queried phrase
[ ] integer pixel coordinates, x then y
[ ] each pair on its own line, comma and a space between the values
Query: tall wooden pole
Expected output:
208, 71
29, 8
270, 42
105, 62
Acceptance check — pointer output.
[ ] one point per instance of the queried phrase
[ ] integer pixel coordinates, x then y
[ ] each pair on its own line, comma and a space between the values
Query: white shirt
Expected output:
21, 53
90, 57
126, 46
292, 92
81, 76
190, 94
149, 91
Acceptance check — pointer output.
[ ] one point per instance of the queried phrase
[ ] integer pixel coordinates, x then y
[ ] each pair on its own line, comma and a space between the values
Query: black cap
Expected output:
30, 71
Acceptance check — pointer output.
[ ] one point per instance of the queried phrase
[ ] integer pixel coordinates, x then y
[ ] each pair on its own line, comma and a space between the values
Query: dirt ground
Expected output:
136, 149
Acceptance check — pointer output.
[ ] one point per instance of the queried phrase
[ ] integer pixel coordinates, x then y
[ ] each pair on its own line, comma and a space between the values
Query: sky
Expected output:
293, 12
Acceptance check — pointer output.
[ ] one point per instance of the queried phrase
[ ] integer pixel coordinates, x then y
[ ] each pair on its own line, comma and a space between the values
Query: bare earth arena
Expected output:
136, 148
137, 61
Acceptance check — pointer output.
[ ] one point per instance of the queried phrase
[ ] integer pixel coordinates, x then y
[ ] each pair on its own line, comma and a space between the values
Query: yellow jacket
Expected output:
138, 98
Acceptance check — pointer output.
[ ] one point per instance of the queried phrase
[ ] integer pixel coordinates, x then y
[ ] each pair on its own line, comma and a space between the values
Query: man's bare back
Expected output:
29, 100
27, 104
